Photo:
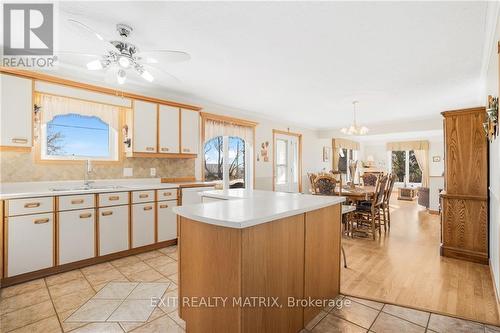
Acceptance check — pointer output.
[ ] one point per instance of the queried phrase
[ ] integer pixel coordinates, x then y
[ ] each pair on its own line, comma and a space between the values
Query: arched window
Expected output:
214, 160
73, 129
77, 135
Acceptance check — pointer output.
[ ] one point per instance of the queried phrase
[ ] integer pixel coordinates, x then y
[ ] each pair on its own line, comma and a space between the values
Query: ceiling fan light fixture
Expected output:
124, 62
95, 65
121, 76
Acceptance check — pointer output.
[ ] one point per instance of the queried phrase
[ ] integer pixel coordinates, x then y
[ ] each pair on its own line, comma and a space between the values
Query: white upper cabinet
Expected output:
169, 129
15, 111
145, 127
190, 131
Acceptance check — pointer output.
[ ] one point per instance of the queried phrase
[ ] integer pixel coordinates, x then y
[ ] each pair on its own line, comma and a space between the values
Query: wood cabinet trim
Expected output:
90, 87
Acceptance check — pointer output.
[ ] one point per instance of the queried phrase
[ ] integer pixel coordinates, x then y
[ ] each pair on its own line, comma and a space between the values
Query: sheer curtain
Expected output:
422, 157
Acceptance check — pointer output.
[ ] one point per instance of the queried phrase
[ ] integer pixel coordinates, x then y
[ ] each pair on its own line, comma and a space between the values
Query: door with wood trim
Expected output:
286, 163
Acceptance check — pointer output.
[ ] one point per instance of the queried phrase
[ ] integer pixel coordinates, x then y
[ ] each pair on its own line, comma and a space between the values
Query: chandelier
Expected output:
355, 129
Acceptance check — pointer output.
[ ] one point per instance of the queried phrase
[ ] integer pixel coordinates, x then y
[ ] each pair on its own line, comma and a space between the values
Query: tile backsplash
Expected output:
20, 167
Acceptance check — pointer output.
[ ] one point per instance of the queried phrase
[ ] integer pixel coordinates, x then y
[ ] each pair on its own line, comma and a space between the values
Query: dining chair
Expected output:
325, 185
369, 212
387, 198
369, 179
311, 177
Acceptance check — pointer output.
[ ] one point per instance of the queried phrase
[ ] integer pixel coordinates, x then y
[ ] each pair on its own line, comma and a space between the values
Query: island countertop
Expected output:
240, 208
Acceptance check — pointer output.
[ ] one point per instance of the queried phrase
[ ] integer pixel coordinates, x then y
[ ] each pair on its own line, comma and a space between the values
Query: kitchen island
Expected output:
257, 261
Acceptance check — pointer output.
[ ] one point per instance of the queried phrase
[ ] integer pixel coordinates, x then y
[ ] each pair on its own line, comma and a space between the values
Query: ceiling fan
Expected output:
122, 57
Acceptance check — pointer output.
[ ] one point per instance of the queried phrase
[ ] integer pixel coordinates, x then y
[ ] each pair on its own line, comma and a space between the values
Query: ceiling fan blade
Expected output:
78, 54
98, 36
157, 56
159, 73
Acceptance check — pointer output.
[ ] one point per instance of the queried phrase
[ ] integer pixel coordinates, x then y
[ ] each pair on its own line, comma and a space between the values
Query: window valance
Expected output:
345, 144
225, 126
53, 106
408, 145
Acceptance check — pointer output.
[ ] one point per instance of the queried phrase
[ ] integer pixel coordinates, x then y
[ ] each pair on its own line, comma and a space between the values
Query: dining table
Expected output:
356, 193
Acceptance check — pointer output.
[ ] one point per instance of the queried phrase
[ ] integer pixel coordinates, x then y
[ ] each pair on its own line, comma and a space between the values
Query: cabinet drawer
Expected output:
30, 206
76, 235
143, 196
167, 194
113, 199
70, 202
30, 243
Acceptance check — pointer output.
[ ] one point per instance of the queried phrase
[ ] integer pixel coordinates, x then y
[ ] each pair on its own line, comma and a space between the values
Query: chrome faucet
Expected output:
87, 171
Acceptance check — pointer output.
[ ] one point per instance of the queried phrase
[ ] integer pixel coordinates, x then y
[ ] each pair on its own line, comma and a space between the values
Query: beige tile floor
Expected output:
66, 302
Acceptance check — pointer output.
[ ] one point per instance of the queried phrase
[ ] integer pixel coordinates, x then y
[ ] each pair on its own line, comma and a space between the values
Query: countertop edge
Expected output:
184, 212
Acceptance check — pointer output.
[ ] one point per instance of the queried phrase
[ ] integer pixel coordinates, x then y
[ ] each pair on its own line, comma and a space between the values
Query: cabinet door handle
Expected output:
142, 196
114, 198
150, 148
19, 140
164, 149
107, 213
76, 201
85, 216
167, 194
163, 206
32, 205
41, 221
185, 150
148, 208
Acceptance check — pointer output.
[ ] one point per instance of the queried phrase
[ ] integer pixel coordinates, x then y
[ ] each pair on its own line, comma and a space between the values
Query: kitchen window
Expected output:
227, 152
214, 160
74, 129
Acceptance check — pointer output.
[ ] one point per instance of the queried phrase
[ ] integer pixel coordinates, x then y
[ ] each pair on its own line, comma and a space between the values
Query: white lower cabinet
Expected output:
76, 235
167, 220
143, 224
113, 229
30, 243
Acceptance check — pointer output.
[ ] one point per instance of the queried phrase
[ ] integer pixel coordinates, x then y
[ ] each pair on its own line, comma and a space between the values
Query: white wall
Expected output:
492, 88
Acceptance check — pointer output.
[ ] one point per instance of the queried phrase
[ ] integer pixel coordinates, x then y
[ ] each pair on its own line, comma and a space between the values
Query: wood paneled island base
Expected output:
225, 272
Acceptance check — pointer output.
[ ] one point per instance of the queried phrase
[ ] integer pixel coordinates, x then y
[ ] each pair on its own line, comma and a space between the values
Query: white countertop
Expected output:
240, 208
44, 189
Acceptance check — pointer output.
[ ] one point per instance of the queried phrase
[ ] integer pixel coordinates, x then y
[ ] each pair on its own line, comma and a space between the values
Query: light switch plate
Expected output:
128, 172
152, 172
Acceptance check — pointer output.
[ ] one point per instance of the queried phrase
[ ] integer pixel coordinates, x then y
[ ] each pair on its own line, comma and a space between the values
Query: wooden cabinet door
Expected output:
30, 243
143, 224
168, 127
167, 220
76, 235
113, 229
190, 131
145, 127
15, 111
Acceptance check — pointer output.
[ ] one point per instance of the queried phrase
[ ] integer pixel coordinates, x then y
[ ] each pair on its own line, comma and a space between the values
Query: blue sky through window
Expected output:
78, 135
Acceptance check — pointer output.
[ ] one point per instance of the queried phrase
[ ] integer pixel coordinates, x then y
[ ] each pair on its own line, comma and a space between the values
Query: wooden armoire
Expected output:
464, 201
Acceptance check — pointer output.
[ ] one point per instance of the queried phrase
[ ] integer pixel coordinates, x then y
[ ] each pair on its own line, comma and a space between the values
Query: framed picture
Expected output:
326, 154
436, 158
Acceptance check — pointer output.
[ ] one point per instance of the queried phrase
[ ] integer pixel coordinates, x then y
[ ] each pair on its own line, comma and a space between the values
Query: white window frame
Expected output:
113, 148
225, 163
407, 169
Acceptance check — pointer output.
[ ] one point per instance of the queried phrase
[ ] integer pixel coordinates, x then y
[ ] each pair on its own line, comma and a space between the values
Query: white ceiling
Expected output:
303, 62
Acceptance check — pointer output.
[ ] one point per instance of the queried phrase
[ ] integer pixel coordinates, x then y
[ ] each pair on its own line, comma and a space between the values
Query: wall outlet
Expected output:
152, 172
128, 172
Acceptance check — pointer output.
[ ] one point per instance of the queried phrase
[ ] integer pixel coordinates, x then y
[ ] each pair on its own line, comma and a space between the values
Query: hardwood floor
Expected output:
404, 267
